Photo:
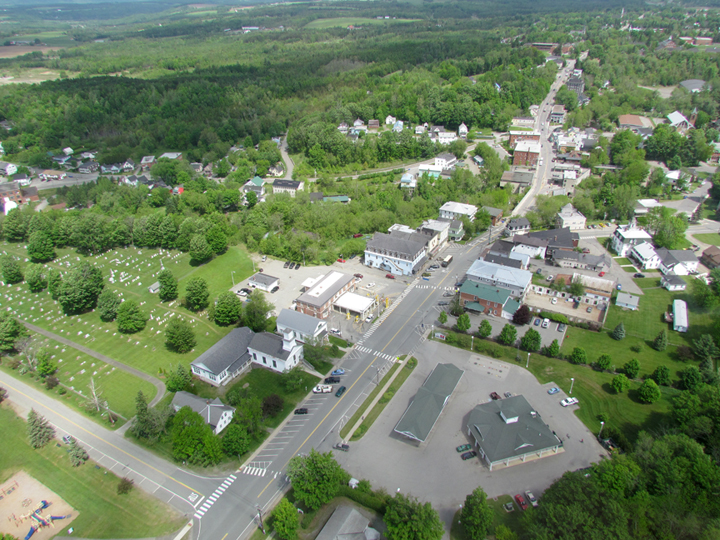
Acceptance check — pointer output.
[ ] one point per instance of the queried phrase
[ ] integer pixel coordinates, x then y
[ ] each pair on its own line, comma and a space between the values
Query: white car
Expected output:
322, 389
569, 401
546, 323
335, 331
531, 498
370, 285
369, 318
553, 301
549, 278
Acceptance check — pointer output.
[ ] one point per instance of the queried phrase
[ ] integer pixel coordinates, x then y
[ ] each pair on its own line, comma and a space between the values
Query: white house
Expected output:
172, 155
673, 283
680, 262
7, 169
68, 151
287, 186
627, 301
627, 236
275, 352
645, 256
463, 130
399, 256
263, 282
456, 210
445, 161
398, 126
215, 413
435, 226
569, 216
517, 226
306, 327
390, 120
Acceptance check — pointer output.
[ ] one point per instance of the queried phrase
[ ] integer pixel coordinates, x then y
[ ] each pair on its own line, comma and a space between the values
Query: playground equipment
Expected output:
39, 520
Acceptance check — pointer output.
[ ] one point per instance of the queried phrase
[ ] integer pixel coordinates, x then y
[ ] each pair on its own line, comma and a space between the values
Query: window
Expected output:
264, 361
274, 364
254, 356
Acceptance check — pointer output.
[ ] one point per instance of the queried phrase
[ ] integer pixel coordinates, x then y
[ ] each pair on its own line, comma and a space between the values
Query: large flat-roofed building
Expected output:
526, 153
510, 431
318, 299
419, 418
515, 280
398, 255
518, 136
355, 304
570, 217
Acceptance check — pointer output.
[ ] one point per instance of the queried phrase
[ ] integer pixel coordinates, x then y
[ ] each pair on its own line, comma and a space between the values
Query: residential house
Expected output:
373, 124
519, 136
456, 210
445, 161
587, 261
320, 293
680, 262
52, 175
495, 214
627, 301
308, 329
263, 282
488, 299
346, 523
113, 168
390, 120
276, 170
395, 254
171, 155
398, 126
515, 280
29, 194
358, 123
680, 316
22, 179
703, 41
408, 180
545, 47
456, 230
693, 85
711, 257
557, 116
627, 236
7, 169
441, 135
436, 227
679, 122
462, 131
88, 155
89, 167
146, 162
287, 186
343, 127
129, 165
226, 359
552, 239
643, 206
215, 413
526, 154
420, 129
645, 256
715, 156
517, 226
570, 217
673, 283
68, 151
256, 185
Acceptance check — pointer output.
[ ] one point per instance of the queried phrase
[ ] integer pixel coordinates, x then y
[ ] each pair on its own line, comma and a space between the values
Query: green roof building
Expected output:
484, 298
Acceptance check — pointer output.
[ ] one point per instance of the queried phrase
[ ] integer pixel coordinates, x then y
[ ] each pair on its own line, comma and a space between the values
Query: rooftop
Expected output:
485, 292
304, 324
325, 288
680, 316
403, 247
631, 232
264, 279
287, 184
227, 351
627, 299
459, 208
354, 302
528, 146
503, 274
211, 411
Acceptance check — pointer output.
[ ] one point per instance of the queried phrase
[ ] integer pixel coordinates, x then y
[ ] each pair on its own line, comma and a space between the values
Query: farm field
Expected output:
319, 24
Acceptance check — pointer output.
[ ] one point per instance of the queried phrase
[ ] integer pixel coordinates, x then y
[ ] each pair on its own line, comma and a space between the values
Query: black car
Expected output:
468, 455
639, 275
297, 266
275, 289
301, 410
332, 380
287, 263
246, 290
340, 391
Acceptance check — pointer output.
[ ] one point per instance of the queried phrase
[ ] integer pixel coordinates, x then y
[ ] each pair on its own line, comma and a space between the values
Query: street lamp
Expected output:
528, 361
232, 276
601, 426
572, 381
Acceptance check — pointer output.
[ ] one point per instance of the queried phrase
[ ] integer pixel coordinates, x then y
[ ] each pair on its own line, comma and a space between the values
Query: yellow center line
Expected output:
351, 387
103, 440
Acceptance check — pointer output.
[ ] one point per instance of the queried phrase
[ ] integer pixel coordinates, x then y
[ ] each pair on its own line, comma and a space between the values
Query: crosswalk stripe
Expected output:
198, 515
212, 498
233, 476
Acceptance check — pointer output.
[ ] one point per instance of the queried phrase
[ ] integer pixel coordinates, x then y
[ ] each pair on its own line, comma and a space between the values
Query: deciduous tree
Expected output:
485, 329
168, 286
476, 516
10, 267
620, 383
256, 311
661, 375
35, 278
10, 331
108, 304
228, 309
522, 315
578, 356
531, 340
315, 478
508, 335
463, 322
603, 362
41, 247
179, 336
442, 318
130, 318
80, 289
632, 368
408, 519
649, 392
235, 441
285, 520
196, 294
553, 350
200, 250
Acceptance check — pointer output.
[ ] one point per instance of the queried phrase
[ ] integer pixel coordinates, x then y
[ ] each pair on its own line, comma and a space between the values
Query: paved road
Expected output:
159, 385
289, 163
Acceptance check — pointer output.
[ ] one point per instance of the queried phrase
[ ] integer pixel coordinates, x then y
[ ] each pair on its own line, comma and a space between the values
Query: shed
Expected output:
263, 282
628, 301
673, 283
155, 287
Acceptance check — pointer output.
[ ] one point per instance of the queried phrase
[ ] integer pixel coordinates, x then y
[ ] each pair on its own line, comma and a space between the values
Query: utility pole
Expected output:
260, 518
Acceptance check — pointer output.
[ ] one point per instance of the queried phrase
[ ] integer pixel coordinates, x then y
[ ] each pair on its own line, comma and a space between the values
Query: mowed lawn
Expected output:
133, 271
709, 238
91, 491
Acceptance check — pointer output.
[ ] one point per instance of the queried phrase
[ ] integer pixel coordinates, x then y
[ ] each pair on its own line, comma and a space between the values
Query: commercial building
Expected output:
510, 431
320, 293
517, 226
483, 298
445, 161
586, 261
495, 214
436, 227
215, 413
570, 217
526, 153
557, 116
515, 280
355, 304
456, 210
626, 237
263, 282
519, 136
394, 254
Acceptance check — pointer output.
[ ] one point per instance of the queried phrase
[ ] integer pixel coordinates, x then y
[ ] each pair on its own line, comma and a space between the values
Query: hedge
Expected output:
557, 317
372, 500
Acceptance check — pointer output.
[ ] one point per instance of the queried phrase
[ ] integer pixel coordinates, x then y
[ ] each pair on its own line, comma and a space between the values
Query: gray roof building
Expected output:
515, 280
510, 430
419, 418
304, 326
504, 261
227, 356
346, 523
627, 301
693, 85
215, 413
573, 259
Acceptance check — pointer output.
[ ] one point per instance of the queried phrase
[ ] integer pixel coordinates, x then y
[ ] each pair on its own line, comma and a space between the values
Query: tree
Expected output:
619, 332
80, 289
256, 311
272, 405
130, 318
667, 228
553, 350
40, 432
108, 304
216, 239
442, 318
620, 383
179, 336
576, 288
485, 329
179, 379
54, 282
193, 440
235, 440
14, 226
168, 286
649, 392
661, 341
228, 309
285, 520
456, 307
703, 295
35, 278
315, 478
705, 348
463, 322
141, 421
41, 247
78, 455
95, 399
45, 365
125, 486
476, 515
11, 271
251, 198
248, 411
10, 331
504, 533
200, 250
522, 315
531, 340
508, 335
603, 362
661, 375
690, 378
578, 356
632, 368
408, 519
196, 294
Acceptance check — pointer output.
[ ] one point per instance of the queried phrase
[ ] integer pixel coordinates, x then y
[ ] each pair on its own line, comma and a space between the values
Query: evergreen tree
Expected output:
54, 283
40, 432
45, 365
130, 318
108, 304
196, 294
141, 422
14, 226
228, 309
531, 340
168, 233
168, 286
179, 336
35, 278
10, 331
11, 271
553, 350
619, 332
705, 348
78, 455
41, 247
661, 341
179, 379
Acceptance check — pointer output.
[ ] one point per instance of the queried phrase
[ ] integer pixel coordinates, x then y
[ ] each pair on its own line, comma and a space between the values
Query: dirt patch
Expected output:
20, 497
664, 91
12, 52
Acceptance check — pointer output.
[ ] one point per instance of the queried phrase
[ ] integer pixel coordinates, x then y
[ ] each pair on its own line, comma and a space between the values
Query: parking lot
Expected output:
565, 306
433, 471
546, 334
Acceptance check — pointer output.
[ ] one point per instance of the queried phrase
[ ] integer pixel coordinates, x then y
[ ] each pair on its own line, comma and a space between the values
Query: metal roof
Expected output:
325, 289
502, 274
627, 300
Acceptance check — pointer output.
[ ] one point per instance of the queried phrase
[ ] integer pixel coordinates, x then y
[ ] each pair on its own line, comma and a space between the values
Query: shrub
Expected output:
619, 332
373, 500
620, 383
557, 317
632, 368
553, 350
51, 382
272, 405
464, 341
649, 391
508, 335
661, 375
125, 486
578, 356
603, 363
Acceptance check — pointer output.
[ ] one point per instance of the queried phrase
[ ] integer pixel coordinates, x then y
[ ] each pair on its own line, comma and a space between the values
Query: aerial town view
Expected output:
409, 270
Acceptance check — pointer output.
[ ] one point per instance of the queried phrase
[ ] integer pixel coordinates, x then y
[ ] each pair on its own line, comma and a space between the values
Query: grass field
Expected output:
50, 37
320, 24
622, 261
102, 513
509, 519
709, 238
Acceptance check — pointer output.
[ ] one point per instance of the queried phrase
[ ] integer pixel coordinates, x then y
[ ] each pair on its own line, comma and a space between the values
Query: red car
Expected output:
358, 235
601, 274
521, 502
390, 276
359, 276
341, 260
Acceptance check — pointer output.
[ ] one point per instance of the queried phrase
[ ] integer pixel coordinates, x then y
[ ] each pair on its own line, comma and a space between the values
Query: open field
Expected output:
20, 50
709, 238
354, 21
90, 491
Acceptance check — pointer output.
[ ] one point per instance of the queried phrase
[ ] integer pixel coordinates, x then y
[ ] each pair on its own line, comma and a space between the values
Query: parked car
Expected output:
335, 331
468, 455
332, 380
553, 301
546, 323
553, 390
341, 260
340, 391
537, 322
538, 271
359, 276
390, 276
443, 303
448, 293
494, 395
601, 274
246, 290
370, 285
369, 318
342, 447
338, 371
531, 498
549, 278
322, 389
520, 500
433, 267
264, 258
67, 439
357, 235
586, 250
639, 275
352, 256
569, 401
562, 327
241, 293
287, 263
463, 448
301, 410
589, 309
619, 286
508, 394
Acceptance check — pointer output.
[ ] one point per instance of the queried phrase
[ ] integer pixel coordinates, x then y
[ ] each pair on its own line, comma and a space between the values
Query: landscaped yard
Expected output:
510, 519
708, 238
92, 492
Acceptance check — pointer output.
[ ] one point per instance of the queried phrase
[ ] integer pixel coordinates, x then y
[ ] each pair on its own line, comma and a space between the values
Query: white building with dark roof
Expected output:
571, 217
645, 256
627, 236
215, 413
390, 252
263, 282
306, 327
680, 262
456, 210
287, 186
445, 161
279, 353
224, 360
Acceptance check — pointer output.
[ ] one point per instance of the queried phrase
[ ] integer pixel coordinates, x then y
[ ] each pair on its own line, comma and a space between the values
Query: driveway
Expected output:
432, 470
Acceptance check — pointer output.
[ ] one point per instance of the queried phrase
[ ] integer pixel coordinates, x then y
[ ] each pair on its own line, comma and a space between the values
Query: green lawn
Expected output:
622, 261
509, 519
368, 400
91, 491
709, 238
